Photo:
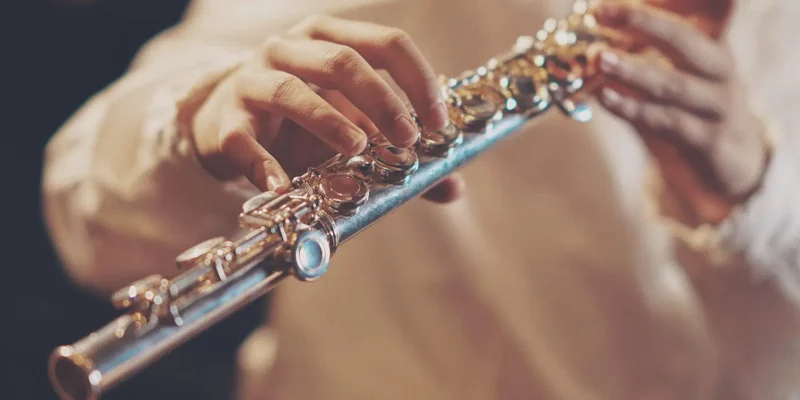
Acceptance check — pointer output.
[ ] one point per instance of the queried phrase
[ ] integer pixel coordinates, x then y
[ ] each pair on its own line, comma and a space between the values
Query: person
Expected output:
569, 290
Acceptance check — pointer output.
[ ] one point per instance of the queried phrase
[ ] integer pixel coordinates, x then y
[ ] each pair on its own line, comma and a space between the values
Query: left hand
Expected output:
689, 108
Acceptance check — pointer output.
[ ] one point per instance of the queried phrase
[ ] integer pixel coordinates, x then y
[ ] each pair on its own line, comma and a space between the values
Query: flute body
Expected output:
295, 234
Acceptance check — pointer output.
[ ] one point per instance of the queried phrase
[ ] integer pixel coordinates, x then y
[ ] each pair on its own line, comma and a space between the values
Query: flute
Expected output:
295, 234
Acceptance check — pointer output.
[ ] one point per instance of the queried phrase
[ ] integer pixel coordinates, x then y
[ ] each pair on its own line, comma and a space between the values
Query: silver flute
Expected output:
295, 234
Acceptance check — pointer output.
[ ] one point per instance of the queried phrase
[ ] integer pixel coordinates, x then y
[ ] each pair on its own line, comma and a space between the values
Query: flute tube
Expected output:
297, 232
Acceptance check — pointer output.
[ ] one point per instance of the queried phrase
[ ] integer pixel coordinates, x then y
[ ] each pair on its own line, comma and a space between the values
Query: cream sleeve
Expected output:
123, 191
765, 234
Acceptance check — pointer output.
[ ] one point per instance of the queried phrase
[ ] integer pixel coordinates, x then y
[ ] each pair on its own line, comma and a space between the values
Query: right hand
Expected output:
264, 122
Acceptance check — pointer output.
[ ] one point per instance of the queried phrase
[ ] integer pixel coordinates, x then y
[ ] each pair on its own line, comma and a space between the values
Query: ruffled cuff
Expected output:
766, 230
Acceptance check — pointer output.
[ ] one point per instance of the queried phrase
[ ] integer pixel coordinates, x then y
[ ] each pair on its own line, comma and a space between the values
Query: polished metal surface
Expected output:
440, 143
344, 192
296, 233
311, 254
394, 164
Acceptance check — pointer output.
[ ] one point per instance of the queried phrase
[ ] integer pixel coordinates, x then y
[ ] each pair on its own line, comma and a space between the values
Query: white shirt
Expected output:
547, 281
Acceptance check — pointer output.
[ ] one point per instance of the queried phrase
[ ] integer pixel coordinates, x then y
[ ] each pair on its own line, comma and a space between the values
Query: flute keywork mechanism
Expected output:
295, 234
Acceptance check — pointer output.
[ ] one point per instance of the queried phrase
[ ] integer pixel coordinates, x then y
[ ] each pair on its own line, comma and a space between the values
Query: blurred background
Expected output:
55, 55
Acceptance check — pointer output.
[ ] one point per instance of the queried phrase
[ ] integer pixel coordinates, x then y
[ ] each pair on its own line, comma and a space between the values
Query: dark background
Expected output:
54, 57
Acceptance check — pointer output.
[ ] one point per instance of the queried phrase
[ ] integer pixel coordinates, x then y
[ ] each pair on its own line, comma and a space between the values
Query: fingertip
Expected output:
438, 117
408, 143
458, 186
272, 178
449, 190
277, 185
359, 144
405, 131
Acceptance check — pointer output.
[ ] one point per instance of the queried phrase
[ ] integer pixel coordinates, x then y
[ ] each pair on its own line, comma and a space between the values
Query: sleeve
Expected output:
764, 236
123, 191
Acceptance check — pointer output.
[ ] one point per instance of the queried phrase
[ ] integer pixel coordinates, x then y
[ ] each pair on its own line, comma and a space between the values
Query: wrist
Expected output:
196, 110
745, 178
710, 232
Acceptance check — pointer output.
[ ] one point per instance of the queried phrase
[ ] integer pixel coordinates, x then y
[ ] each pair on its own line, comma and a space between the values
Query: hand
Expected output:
688, 107
265, 121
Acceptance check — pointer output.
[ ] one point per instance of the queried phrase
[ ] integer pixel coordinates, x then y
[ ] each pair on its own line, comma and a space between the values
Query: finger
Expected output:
716, 10
287, 95
391, 49
350, 111
676, 36
334, 66
238, 144
449, 190
690, 179
663, 84
617, 38
665, 119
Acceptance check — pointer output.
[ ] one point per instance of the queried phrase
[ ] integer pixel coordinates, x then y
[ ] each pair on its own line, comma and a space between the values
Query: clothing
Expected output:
547, 281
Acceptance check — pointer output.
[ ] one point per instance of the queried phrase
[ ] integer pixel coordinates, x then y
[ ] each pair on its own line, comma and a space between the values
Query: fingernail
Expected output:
275, 185
405, 127
611, 96
609, 61
359, 142
439, 116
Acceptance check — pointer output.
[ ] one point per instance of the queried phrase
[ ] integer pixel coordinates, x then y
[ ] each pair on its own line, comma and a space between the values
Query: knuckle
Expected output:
311, 23
282, 88
672, 88
270, 44
320, 112
230, 142
397, 39
341, 60
270, 50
